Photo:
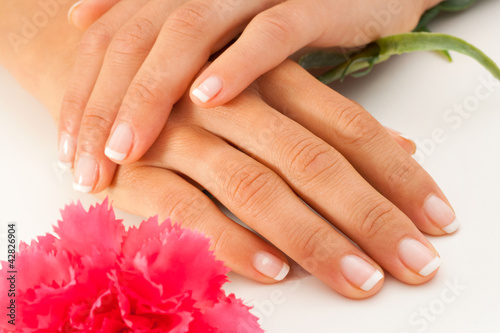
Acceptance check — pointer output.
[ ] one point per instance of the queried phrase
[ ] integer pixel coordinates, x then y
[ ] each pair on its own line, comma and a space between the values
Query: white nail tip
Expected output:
64, 166
200, 95
372, 281
114, 155
283, 273
70, 11
452, 227
81, 188
430, 267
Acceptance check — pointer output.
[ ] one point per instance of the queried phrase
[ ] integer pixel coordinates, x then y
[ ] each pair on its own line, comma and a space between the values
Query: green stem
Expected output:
423, 41
384, 48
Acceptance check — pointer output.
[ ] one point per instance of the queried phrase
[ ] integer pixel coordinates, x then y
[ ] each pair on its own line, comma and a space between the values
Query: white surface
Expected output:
413, 94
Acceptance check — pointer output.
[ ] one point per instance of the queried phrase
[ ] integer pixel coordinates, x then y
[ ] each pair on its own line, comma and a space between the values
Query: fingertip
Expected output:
114, 155
364, 277
206, 90
120, 143
420, 259
270, 265
74, 16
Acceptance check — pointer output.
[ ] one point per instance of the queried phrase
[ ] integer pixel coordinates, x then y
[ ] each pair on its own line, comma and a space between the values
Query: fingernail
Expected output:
404, 139
120, 142
418, 257
208, 89
85, 174
67, 149
440, 213
71, 9
270, 265
359, 272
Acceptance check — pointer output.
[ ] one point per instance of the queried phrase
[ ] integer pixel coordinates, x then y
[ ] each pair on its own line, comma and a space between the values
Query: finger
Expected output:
86, 69
124, 56
85, 12
184, 45
269, 39
365, 143
150, 191
264, 202
323, 178
407, 144
275, 34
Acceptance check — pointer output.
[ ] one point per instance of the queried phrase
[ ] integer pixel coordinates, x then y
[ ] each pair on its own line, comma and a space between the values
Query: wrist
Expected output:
38, 45
431, 3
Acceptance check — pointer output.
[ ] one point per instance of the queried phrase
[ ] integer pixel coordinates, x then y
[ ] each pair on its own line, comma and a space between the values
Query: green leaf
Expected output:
445, 6
456, 5
320, 59
426, 18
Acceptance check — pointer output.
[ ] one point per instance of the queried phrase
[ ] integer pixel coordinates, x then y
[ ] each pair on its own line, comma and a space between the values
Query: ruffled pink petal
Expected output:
44, 267
80, 230
184, 261
100, 278
231, 315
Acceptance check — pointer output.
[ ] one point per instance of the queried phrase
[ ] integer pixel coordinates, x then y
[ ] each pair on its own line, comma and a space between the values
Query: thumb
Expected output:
85, 12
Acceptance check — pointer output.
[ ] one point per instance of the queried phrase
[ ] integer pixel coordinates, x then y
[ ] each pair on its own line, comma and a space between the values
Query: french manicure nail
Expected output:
67, 149
403, 137
440, 213
85, 174
120, 142
71, 9
270, 265
359, 272
208, 89
418, 257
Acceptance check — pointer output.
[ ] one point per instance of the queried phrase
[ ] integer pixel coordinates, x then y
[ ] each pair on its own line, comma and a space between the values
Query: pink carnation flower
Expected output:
99, 277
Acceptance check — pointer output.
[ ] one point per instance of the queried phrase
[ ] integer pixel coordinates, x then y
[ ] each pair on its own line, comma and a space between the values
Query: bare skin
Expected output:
259, 155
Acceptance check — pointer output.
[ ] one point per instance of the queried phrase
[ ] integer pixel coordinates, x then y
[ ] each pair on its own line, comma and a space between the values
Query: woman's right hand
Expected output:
274, 146
140, 57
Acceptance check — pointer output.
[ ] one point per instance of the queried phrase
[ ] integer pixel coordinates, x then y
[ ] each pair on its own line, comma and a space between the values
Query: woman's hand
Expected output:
261, 162
139, 58
260, 155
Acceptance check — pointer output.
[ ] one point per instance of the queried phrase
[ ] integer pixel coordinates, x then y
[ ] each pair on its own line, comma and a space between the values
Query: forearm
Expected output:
38, 45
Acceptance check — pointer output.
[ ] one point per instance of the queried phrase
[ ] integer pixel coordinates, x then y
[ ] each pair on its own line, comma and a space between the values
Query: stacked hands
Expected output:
272, 142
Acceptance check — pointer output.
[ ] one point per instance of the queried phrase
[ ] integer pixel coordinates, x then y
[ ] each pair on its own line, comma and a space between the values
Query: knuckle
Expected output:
250, 186
402, 173
134, 38
275, 25
307, 240
185, 207
96, 39
221, 240
146, 90
72, 106
95, 127
308, 159
375, 219
191, 20
355, 126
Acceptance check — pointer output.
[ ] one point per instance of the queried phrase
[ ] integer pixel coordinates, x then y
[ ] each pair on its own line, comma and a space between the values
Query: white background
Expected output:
413, 94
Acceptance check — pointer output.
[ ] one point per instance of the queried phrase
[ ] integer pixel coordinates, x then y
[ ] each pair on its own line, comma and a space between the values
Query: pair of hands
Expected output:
273, 146
260, 154
140, 56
